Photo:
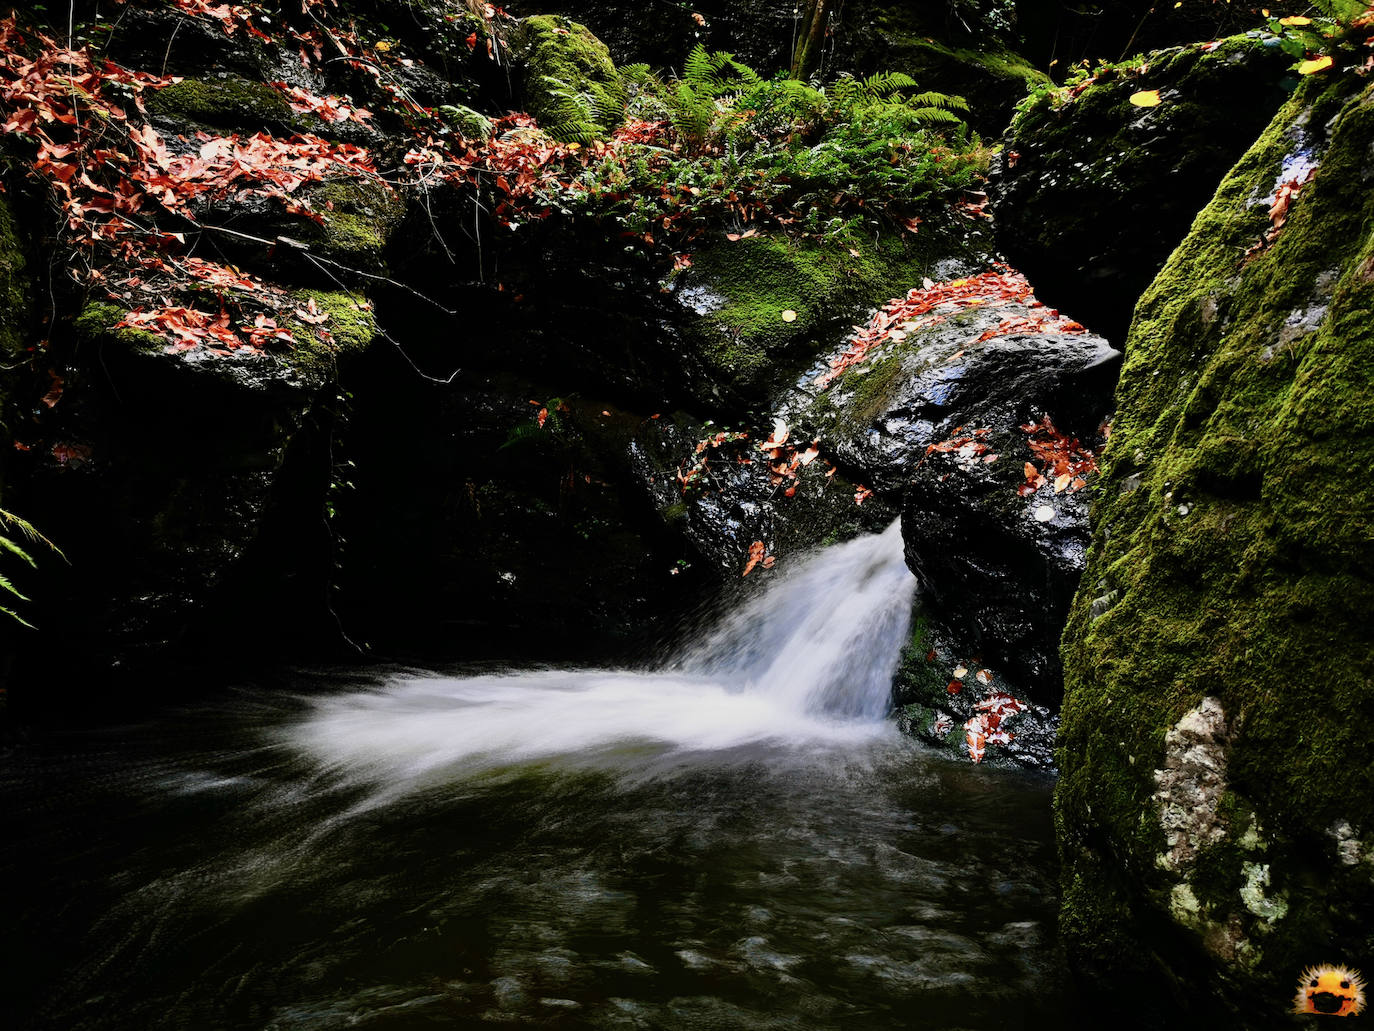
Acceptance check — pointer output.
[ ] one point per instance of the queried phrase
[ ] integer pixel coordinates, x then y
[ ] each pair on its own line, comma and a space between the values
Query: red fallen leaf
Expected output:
472, 41
1078, 484
984, 676
19, 445
791, 491
989, 459
1032, 473
861, 494
54, 393
755, 557
698, 19
68, 453
770, 561
930, 655
954, 686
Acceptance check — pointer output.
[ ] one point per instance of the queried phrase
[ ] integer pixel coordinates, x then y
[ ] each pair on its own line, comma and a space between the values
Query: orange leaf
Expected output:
755, 557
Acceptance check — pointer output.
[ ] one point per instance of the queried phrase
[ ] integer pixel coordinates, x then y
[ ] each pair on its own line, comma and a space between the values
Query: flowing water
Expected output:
736, 840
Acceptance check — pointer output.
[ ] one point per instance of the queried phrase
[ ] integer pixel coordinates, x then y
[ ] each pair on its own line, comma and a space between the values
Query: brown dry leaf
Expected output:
755, 557
1061, 481
769, 562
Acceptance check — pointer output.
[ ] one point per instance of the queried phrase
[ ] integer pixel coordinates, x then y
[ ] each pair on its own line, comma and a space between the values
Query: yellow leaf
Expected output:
382, 46
789, 316
1145, 98
1319, 64
1296, 19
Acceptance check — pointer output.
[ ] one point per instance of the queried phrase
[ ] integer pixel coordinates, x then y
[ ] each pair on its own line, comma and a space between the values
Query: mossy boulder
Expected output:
1091, 193
1217, 798
163, 471
566, 71
228, 101
737, 295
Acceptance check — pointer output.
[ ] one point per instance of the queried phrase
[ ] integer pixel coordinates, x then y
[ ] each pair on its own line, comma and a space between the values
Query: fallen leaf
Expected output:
1146, 98
985, 677
1319, 64
1061, 481
954, 686
960, 671
755, 557
1295, 19
789, 316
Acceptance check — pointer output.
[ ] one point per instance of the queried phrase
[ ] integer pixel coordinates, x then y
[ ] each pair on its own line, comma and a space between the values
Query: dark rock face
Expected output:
997, 564
1218, 793
1091, 194
999, 568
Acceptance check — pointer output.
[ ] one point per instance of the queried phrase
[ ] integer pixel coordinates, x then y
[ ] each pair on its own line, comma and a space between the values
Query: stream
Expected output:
738, 838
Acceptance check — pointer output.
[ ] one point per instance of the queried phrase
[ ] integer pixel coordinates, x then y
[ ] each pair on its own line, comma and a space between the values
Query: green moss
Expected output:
230, 102
352, 325
748, 343
97, 321
1241, 558
564, 56
359, 218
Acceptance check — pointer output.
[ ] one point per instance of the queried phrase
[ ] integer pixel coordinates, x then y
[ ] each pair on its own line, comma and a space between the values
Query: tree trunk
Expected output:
811, 36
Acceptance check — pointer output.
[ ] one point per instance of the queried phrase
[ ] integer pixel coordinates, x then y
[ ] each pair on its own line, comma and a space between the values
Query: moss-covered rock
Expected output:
359, 218
566, 69
1225, 611
226, 102
738, 293
1091, 193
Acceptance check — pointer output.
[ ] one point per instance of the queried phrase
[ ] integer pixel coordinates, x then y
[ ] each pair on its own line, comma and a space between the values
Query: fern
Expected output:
12, 526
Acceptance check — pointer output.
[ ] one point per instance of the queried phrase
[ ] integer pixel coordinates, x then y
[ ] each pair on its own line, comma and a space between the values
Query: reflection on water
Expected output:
736, 841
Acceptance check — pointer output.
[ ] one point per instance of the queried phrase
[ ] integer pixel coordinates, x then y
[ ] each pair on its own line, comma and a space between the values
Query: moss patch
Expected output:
230, 102
562, 56
745, 341
1234, 536
359, 218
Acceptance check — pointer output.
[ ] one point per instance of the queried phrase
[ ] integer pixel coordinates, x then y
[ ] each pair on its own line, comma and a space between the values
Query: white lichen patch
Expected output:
1351, 849
1255, 896
1190, 786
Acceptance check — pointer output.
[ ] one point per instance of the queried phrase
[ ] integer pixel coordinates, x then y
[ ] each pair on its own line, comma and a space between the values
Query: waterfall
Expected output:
807, 660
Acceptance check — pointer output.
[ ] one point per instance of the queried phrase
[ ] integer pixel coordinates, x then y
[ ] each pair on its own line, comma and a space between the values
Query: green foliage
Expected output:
1331, 28
13, 530
825, 157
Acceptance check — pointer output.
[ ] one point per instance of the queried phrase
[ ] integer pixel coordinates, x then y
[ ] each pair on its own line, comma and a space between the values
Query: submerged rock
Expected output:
1092, 193
1217, 796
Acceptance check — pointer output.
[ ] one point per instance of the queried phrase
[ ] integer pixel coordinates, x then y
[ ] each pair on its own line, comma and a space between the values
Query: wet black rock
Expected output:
937, 418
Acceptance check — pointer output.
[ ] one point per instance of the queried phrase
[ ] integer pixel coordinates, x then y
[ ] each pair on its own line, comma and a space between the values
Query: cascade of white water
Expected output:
808, 659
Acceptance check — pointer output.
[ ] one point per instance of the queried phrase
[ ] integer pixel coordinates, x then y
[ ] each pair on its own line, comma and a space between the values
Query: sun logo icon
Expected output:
1330, 991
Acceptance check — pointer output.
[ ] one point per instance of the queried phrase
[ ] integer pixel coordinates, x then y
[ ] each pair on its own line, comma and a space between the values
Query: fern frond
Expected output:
941, 100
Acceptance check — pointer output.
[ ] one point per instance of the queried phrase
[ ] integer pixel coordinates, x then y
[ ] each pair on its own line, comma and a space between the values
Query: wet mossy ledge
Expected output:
1218, 789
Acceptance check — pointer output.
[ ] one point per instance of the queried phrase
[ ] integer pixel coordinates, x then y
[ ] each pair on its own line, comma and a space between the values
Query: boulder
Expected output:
1217, 797
159, 471
1091, 193
945, 413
